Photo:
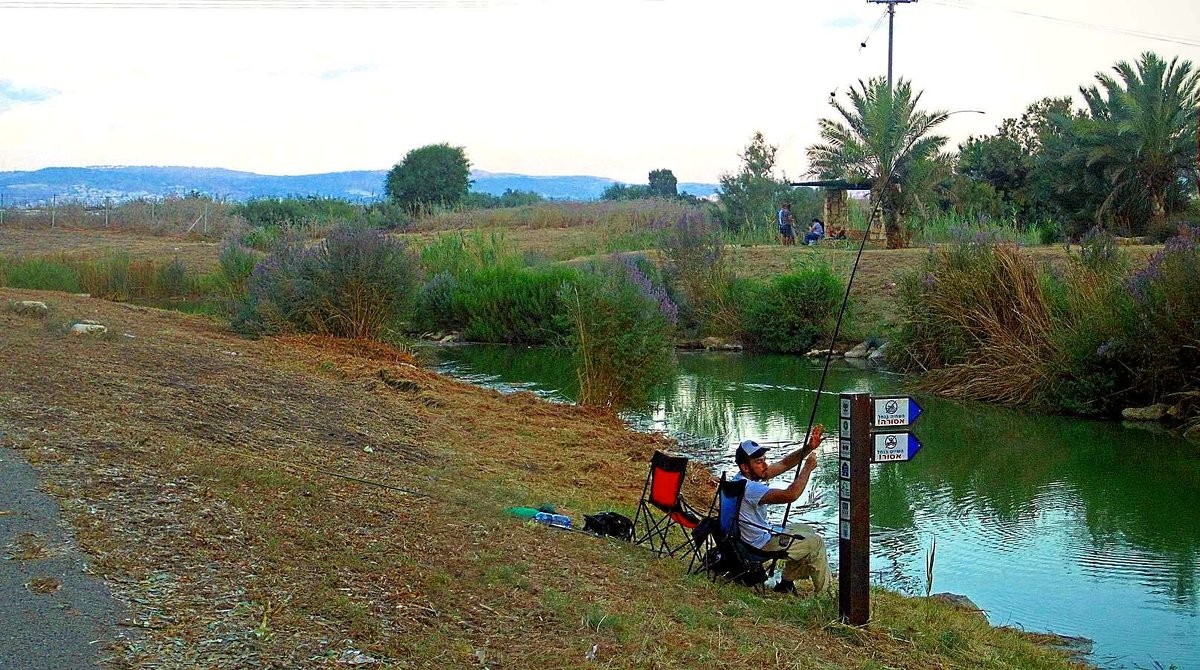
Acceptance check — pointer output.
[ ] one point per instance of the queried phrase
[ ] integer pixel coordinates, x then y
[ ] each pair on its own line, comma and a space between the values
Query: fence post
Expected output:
52, 203
206, 218
1, 209
106, 212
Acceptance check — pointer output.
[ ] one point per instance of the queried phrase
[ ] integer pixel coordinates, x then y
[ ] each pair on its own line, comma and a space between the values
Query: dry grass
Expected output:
43, 585
190, 463
139, 246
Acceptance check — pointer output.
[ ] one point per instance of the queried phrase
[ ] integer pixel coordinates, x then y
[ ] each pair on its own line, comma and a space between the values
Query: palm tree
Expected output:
1141, 134
881, 137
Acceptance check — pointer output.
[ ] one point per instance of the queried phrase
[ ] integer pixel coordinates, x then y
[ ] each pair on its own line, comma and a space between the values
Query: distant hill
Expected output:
93, 185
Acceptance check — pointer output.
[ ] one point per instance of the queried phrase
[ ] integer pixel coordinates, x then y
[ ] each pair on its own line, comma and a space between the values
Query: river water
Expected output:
1078, 527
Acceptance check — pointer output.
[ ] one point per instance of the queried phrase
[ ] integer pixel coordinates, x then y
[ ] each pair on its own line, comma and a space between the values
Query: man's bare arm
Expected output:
793, 459
792, 492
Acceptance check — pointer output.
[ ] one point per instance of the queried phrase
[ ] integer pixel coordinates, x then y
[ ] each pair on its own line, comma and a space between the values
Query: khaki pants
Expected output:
805, 557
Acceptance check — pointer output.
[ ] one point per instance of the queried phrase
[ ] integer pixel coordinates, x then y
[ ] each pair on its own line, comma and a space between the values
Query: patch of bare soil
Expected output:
198, 469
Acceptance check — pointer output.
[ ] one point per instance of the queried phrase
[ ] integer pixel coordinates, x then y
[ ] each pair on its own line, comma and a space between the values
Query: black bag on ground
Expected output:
609, 524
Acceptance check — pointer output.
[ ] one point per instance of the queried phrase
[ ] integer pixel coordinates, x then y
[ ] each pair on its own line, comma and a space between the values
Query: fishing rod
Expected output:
880, 185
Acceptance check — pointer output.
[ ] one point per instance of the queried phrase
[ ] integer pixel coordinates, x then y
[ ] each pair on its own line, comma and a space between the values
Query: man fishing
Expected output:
805, 548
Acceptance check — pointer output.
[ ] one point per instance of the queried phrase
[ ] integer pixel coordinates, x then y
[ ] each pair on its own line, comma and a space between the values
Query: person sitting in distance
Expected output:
815, 232
806, 556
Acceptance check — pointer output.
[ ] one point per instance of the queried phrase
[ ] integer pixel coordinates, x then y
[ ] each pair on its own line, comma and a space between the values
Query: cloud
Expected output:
10, 94
345, 72
843, 22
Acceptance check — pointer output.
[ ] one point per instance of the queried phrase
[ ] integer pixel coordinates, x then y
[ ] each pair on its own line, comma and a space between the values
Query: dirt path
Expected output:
56, 613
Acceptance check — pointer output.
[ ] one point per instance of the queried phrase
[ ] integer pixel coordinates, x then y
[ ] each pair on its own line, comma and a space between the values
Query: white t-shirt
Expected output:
752, 516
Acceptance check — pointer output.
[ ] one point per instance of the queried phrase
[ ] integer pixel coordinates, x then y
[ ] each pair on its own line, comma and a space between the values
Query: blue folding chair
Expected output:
725, 554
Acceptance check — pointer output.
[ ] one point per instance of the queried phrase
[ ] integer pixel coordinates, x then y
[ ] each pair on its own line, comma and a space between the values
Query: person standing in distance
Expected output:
806, 556
787, 225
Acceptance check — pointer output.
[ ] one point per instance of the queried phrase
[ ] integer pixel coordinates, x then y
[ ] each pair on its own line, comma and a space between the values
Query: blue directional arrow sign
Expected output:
896, 412
892, 447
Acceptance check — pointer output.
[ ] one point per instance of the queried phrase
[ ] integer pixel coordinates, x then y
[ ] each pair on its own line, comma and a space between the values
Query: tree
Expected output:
881, 136
432, 175
626, 192
663, 184
1140, 136
1005, 172
749, 198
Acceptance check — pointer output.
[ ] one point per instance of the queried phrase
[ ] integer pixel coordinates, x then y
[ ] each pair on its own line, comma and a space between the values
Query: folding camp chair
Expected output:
722, 550
662, 508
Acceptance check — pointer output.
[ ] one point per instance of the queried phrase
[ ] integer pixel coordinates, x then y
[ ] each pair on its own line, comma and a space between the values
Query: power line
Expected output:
1086, 25
246, 4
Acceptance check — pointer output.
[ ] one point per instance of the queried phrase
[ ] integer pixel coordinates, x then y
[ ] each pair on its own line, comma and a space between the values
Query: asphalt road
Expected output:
63, 629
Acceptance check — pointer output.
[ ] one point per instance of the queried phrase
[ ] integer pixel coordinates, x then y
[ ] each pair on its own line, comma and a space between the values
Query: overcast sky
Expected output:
610, 88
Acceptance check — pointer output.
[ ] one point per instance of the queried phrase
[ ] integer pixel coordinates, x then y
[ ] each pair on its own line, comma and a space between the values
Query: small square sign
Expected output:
845, 413
845, 488
844, 450
845, 530
844, 509
844, 469
845, 427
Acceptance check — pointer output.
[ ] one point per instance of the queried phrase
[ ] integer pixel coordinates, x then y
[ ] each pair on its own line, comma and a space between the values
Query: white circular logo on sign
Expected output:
890, 442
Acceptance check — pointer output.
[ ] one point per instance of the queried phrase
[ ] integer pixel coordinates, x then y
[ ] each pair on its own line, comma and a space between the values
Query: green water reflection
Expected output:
1053, 523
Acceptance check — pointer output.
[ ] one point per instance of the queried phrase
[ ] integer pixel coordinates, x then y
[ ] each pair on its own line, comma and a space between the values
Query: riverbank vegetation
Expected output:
1091, 337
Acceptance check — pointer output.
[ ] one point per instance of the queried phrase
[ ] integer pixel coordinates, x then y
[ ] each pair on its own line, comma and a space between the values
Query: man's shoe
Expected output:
785, 586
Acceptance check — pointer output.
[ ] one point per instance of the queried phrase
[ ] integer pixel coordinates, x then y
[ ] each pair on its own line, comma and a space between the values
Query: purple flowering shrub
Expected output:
357, 283
693, 255
1166, 328
620, 333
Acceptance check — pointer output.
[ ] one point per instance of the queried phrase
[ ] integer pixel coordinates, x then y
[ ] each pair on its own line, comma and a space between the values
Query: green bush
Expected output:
173, 280
519, 306
262, 239
435, 308
620, 336
41, 274
235, 263
793, 311
261, 212
1087, 369
358, 283
464, 253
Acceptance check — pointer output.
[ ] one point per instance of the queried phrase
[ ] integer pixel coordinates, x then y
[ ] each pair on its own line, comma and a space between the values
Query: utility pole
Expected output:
891, 29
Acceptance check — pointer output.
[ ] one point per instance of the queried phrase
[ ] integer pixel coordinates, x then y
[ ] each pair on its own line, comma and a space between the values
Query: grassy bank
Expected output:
187, 458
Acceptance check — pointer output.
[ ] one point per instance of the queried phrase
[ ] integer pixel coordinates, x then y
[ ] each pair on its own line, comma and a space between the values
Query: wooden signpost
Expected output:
871, 430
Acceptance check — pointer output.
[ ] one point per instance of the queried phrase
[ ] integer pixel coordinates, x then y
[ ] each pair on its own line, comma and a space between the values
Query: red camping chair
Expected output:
662, 508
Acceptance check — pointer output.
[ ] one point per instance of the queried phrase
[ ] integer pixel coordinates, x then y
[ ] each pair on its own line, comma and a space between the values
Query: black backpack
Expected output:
609, 524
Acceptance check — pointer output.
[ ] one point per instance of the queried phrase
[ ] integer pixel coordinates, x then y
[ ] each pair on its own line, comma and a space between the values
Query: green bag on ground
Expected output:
523, 512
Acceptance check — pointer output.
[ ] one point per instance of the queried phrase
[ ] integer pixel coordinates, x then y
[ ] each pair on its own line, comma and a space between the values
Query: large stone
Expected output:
860, 351
88, 329
957, 601
878, 356
1154, 412
718, 344
31, 308
1193, 433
